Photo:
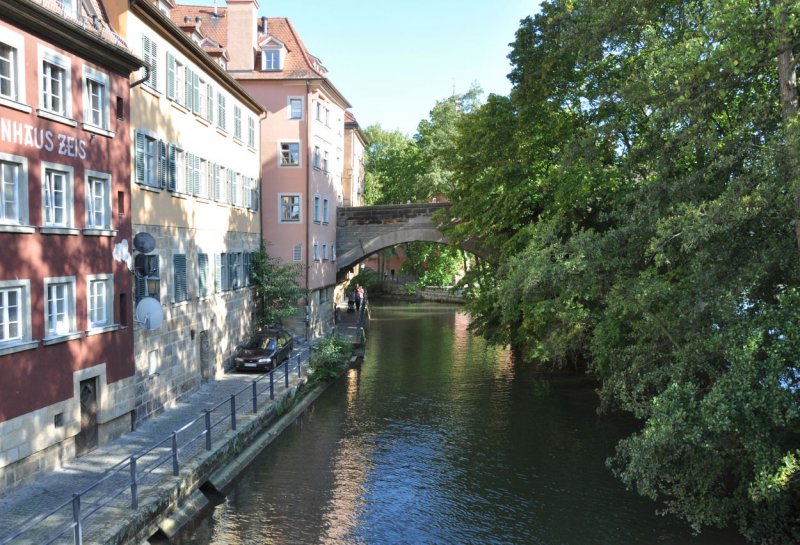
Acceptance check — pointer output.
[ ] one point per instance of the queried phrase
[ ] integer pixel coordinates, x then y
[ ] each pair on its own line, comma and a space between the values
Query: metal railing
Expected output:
127, 477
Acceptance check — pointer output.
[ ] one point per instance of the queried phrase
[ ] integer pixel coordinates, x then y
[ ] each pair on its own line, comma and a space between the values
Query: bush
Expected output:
329, 357
411, 288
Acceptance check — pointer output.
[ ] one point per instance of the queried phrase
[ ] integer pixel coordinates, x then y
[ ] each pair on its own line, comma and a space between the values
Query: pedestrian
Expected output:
359, 296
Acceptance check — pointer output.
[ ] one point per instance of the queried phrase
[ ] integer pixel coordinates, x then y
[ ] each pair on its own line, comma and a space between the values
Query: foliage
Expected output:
328, 357
636, 195
432, 264
277, 290
368, 278
411, 288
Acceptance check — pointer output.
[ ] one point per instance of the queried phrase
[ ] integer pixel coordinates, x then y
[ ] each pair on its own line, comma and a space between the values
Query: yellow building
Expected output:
195, 172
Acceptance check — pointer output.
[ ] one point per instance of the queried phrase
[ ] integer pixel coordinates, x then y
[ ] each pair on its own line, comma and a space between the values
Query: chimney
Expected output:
215, 8
242, 24
263, 25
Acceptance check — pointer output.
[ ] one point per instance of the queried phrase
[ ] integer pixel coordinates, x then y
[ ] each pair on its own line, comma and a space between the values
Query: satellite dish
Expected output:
149, 313
144, 242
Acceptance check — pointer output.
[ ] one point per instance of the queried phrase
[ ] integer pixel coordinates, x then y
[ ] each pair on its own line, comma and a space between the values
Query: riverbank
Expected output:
165, 482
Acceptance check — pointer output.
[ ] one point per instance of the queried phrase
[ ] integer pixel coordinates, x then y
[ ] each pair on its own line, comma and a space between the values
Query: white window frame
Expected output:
69, 192
316, 251
325, 161
91, 202
268, 57
17, 73
325, 208
21, 190
181, 168
106, 282
324, 251
69, 326
63, 63
316, 208
204, 186
151, 175
291, 111
92, 76
317, 157
281, 163
23, 340
299, 205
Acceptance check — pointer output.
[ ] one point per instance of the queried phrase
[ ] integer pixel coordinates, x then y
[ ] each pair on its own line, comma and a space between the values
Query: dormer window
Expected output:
272, 54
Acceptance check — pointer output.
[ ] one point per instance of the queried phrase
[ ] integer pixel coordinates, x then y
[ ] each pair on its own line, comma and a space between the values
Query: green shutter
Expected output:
196, 93
172, 168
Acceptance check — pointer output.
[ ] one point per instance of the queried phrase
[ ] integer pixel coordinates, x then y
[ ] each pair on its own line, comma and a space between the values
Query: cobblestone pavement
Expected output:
23, 505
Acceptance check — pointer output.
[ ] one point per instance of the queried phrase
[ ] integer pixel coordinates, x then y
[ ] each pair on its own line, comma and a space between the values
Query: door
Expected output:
86, 440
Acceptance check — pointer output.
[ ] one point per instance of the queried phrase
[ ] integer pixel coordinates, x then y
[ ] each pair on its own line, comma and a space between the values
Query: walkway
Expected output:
348, 325
21, 506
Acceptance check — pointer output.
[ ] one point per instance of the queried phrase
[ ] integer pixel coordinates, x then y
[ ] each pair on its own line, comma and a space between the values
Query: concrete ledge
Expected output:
169, 504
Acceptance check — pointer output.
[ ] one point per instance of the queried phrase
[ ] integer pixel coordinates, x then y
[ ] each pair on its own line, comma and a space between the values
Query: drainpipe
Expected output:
308, 203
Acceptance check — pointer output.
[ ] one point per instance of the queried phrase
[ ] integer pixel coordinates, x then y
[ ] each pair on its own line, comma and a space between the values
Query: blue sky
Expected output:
394, 60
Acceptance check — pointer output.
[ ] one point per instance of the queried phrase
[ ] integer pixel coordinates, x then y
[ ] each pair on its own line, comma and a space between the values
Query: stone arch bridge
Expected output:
363, 230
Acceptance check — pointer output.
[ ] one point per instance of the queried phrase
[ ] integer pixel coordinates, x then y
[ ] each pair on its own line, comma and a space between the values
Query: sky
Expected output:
393, 60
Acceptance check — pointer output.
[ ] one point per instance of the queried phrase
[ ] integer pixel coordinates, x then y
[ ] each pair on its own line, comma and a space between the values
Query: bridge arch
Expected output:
364, 230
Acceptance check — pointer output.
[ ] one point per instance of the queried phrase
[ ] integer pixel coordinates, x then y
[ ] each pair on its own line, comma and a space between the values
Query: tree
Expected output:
277, 290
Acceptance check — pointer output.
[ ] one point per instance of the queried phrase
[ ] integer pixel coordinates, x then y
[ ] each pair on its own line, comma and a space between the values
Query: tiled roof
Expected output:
211, 26
298, 63
91, 18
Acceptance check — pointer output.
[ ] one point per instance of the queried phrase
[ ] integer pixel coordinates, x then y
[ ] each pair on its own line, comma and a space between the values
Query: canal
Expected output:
439, 438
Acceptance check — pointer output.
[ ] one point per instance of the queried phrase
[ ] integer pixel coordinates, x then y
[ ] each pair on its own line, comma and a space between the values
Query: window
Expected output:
316, 208
59, 306
150, 57
327, 117
297, 252
247, 267
234, 270
220, 272
237, 122
150, 160
205, 179
12, 83
176, 80
333, 251
290, 154
290, 208
217, 183
147, 276
69, 7
98, 200
203, 286
295, 108
221, 111
95, 98
233, 187
319, 111
202, 99
316, 251
57, 195
325, 161
324, 252
316, 157
55, 90
11, 327
100, 299
251, 132
272, 59
177, 169
325, 210
15, 314
180, 292
13, 190
210, 104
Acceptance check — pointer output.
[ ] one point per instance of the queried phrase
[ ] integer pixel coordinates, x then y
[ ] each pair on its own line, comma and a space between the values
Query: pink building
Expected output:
302, 142
66, 337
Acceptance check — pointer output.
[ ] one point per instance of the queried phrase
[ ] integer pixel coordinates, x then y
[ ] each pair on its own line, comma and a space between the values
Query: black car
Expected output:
267, 349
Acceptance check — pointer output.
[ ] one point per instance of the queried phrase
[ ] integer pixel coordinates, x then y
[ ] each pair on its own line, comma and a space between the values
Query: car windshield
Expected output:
271, 344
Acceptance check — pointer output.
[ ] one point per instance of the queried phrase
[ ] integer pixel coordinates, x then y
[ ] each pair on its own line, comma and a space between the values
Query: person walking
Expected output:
359, 296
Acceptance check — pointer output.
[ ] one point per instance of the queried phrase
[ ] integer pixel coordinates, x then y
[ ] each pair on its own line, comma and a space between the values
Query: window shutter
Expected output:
231, 195
223, 260
188, 97
217, 273
217, 184
140, 143
171, 178
196, 175
195, 93
162, 164
170, 76
179, 262
202, 277
210, 99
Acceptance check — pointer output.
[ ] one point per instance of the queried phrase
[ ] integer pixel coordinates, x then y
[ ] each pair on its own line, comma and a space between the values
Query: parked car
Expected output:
267, 348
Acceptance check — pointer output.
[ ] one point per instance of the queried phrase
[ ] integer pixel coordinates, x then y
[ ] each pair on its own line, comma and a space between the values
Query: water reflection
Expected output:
438, 438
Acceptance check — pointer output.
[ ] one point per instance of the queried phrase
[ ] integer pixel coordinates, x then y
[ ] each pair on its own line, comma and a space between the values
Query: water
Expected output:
439, 438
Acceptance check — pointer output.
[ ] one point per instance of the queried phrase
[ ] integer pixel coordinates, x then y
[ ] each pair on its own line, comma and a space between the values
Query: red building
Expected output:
66, 342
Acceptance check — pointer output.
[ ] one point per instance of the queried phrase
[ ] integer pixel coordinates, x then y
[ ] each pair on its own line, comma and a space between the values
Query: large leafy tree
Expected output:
277, 290
638, 191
